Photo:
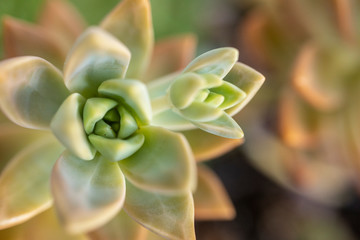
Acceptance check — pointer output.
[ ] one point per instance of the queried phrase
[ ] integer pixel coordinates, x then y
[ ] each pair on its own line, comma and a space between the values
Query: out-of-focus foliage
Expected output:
305, 120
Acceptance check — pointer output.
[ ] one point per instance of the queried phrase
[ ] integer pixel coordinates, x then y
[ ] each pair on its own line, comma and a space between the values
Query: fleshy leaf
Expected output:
171, 55
94, 110
25, 39
130, 92
246, 79
24, 183
201, 112
170, 216
171, 120
96, 57
87, 193
206, 146
210, 198
232, 94
223, 126
163, 163
43, 226
27, 91
67, 126
185, 89
128, 124
114, 149
61, 17
121, 227
218, 62
131, 23
14, 138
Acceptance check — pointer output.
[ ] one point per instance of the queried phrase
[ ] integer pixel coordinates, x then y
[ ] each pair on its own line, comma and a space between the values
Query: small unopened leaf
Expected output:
133, 93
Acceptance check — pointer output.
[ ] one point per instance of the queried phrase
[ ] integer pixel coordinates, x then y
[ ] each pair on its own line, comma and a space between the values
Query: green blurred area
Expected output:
170, 17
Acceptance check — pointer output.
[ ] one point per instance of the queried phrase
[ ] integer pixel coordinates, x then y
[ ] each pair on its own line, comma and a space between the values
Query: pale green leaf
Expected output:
248, 80
128, 124
170, 216
67, 126
130, 92
94, 110
232, 94
14, 138
200, 112
218, 62
96, 56
32, 91
164, 162
171, 120
24, 183
210, 198
223, 126
114, 149
131, 23
87, 194
121, 227
214, 99
206, 146
44, 226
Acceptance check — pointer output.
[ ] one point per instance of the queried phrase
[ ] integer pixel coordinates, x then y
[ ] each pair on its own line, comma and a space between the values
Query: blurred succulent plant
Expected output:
316, 145
102, 116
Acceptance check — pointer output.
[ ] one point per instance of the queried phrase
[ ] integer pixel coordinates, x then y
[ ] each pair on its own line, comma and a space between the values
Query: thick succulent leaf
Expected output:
223, 126
171, 55
246, 79
213, 99
114, 149
67, 126
25, 39
210, 198
159, 87
171, 120
24, 183
164, 162
185, 88
131, 23
96, 57
128, 124
43, 226
14, 138
62, 18
232, 94
130, 92
87, 194
206, 146
200, 112
121, 227
307, 79
171, 216
218, 62
94, 110
27, 93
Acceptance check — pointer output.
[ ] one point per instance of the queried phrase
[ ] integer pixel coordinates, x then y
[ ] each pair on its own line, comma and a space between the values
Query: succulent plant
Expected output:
312, 58
115, 159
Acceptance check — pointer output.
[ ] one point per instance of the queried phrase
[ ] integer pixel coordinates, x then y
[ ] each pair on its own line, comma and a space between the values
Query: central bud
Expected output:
111, 128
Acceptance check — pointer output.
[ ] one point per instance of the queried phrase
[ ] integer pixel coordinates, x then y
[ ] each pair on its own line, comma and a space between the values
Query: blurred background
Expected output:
296, 177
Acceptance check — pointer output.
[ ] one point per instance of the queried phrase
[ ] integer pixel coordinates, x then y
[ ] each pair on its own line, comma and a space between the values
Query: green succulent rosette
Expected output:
206, 94
111, 157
